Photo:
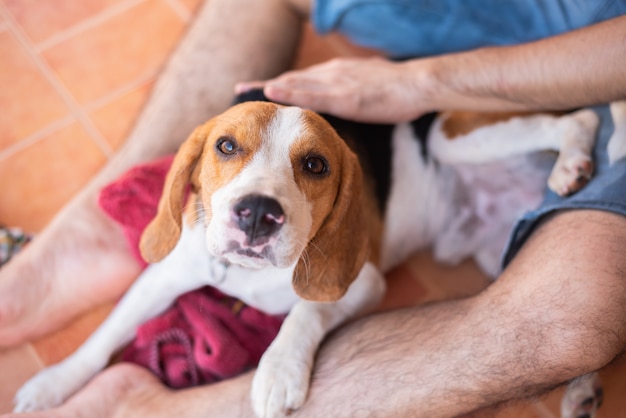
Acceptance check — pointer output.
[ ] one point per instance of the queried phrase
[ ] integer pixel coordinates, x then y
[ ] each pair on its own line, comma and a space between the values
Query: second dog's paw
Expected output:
280, 386
574, 166
572, 171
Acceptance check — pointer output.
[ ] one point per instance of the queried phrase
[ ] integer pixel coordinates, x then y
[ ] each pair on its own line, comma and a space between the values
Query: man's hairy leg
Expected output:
100, 398
128, 390
80, 260
556, 313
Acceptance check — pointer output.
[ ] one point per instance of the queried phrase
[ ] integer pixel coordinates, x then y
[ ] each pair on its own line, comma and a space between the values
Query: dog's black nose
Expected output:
259, 217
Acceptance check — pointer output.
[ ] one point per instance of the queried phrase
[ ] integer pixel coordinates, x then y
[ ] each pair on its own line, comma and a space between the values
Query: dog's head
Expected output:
275, 186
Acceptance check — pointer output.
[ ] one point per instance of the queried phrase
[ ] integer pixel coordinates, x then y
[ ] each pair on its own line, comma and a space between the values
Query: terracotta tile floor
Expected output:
73, 77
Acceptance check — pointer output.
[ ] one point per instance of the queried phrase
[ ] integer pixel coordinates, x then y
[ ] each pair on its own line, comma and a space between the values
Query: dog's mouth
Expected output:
245, 256
249, 253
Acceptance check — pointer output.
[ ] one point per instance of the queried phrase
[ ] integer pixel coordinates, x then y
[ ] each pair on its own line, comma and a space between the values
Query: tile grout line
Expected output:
86, 25
117, 93
179, 9
36, 137
60, 89
33, 350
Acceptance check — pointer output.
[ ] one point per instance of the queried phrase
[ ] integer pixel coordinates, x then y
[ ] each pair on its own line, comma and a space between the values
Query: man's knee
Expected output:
565, 292
586, 337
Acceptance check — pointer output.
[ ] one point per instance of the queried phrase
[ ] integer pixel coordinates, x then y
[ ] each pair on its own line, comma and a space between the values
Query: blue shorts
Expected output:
606, 190
417, 28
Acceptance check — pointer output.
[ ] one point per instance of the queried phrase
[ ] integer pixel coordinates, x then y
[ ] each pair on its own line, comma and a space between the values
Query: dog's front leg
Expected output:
151, 294
281, 381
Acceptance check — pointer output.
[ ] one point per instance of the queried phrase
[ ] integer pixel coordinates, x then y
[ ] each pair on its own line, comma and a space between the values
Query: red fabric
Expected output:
205, 335
132, 199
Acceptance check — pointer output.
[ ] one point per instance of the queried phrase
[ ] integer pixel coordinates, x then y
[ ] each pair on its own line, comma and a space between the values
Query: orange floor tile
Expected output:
31, 116
18, 364
73, 77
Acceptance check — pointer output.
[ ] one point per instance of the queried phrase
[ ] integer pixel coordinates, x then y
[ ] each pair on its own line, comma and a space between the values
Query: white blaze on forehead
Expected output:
270, 169
281, 133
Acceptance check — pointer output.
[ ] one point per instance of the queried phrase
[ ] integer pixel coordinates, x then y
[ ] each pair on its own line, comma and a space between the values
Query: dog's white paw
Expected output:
45, 390
574, 167
280, 385
572, 171
51, 387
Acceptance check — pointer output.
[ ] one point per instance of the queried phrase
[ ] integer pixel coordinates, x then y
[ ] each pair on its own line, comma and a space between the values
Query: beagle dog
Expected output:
295, 213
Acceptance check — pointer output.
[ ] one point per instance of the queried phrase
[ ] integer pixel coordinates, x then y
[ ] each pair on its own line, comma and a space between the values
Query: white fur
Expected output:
417, 191
510, 138
617, 142
282, 380
464, 200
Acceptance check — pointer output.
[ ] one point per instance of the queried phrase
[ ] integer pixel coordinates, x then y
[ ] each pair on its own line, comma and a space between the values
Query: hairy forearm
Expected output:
579, 68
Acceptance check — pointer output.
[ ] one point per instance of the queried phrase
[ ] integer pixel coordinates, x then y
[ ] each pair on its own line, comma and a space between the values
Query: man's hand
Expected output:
362, 89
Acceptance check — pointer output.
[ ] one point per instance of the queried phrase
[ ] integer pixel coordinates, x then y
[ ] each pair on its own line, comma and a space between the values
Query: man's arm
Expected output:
582, 67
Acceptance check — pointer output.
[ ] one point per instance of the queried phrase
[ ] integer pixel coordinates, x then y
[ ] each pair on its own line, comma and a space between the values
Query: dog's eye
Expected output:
226, 146
315, 165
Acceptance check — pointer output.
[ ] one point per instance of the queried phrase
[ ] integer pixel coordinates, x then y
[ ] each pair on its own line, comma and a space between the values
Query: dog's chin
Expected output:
255, 259
248, 260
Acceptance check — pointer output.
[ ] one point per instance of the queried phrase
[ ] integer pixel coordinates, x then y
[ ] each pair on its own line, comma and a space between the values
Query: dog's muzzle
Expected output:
259, 217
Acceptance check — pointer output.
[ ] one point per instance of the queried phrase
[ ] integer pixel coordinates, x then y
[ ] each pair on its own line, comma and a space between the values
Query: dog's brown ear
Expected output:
337, 252
163, 232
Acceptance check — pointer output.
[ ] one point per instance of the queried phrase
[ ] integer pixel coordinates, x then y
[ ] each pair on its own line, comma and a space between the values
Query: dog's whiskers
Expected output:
307, 265
312, 244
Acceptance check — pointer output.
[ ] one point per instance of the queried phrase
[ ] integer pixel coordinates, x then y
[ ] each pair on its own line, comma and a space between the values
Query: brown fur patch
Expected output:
319, 140
461, 123
373, 221
340, 244
191, 209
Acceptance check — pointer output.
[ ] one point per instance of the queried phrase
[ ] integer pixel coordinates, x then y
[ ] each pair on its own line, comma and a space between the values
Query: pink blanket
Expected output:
205, 335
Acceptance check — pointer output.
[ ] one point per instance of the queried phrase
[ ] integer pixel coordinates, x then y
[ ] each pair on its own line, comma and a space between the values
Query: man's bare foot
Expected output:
122, 390
127, 391
78, 262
